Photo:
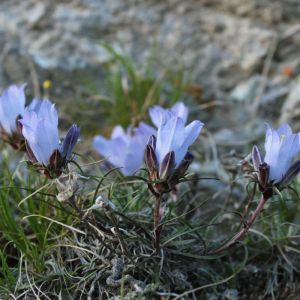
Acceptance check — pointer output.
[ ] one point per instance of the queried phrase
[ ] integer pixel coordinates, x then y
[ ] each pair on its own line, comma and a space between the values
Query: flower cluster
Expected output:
166, 156
36, 127
277, 168
40, 130
164, 149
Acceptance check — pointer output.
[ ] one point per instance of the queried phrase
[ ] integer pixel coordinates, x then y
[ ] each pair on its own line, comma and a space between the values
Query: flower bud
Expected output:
263, 175
151, 162
40, 130
167, 165
181, 169
152, 141
166, 156
256, 158
277, 167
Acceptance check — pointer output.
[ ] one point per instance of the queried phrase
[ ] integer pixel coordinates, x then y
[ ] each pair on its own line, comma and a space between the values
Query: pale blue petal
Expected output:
102, 145
48, 111
125, 150
35, 105
32, 139
30, 120
191, 133
272, 146
47, 140
143, 133
113, 150
41, 132
281, 148
157, 115
170, 136
180, 110
45, 109
12, 105
118, 131
284, 129
119, 149
290, 147
31, 135
134, 159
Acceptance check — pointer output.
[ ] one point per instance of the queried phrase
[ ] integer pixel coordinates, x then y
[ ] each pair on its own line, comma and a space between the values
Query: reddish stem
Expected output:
157, 227
245, 229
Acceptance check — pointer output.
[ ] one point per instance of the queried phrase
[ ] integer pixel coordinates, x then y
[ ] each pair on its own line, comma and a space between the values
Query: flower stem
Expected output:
157, 217
245, 229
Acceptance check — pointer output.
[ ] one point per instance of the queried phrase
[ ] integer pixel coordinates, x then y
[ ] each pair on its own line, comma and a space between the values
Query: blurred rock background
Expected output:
244, 54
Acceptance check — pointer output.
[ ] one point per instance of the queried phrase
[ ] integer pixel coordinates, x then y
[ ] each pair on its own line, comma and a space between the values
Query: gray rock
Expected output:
37, 14
289, 44
267, 94
291, 109
274, 95
66, 35
223, 45
268, 11
246, 91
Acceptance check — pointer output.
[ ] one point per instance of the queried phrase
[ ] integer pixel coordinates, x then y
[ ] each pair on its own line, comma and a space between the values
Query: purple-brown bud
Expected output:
151, 162
180, 171
167, 165
56, 163
263, 174
30, 154
152, 141
265, 186
256, 158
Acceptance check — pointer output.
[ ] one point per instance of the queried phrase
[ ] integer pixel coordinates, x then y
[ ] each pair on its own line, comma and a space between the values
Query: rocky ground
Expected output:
243, 53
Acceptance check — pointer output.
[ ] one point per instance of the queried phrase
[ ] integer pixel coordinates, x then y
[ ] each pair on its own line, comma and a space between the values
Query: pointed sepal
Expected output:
151, 162
69, 142
167, 165
290, 174
55, 161
181, 170
256, 158
263, 175
152, 142
30, 154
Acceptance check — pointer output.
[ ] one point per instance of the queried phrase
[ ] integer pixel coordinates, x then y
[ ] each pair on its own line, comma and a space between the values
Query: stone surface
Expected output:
226, 45
246, 90
291, 108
